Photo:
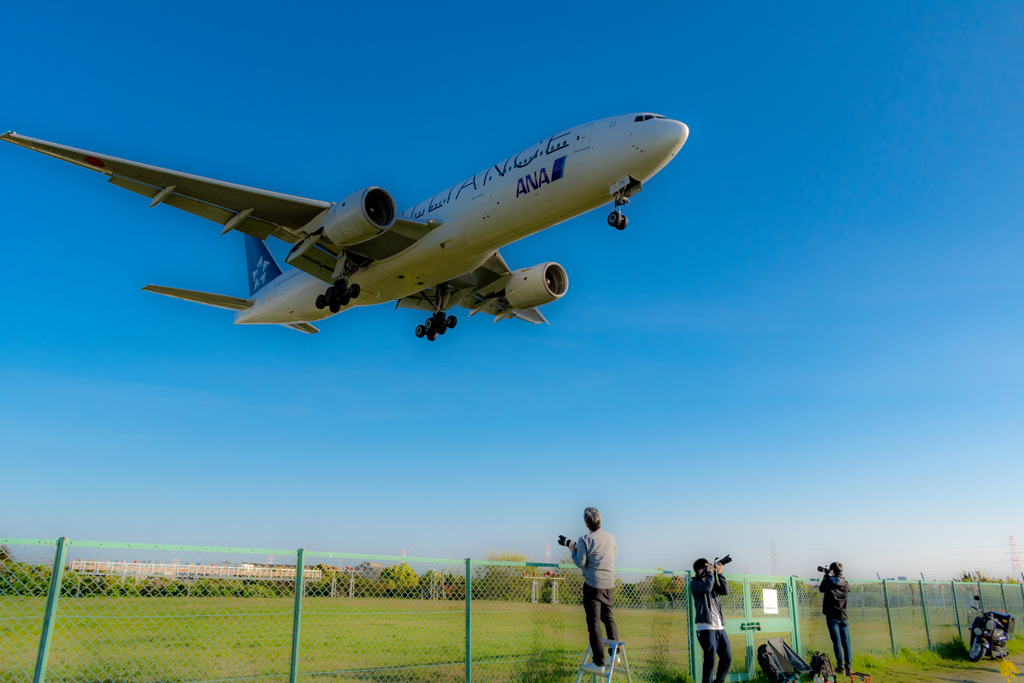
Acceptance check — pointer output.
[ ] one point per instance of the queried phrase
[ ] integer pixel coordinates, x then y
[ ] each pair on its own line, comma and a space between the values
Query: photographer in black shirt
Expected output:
707, 584
835, 589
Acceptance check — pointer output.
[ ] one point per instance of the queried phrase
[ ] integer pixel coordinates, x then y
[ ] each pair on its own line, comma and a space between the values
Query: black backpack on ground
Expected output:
821, 665
770, 665
779, 662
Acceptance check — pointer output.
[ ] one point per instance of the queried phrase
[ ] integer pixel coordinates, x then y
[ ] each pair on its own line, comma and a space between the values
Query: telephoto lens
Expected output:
823, 569
562, 540
725, 560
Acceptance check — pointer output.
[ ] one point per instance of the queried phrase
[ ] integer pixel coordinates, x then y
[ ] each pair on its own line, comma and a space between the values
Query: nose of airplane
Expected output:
676, 133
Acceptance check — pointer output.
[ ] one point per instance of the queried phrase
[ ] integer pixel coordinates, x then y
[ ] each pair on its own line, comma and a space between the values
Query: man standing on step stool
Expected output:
594, 553
707, 584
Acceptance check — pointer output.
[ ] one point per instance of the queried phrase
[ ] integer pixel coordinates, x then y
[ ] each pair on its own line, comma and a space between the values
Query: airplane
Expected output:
437, 255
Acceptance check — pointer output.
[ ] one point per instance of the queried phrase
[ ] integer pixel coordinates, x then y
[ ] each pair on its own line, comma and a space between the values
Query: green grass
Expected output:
908, 665
913, 667
177, 639
153, 640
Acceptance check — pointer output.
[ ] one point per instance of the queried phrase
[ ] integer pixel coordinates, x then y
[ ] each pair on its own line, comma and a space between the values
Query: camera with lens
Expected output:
824, 570
725, 560
566, 541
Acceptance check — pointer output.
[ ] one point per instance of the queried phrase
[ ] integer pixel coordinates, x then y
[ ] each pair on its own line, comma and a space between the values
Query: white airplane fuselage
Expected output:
557, 179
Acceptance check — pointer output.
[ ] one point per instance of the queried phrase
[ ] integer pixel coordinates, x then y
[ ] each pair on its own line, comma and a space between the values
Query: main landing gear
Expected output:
616, 219
435, 325
337, 295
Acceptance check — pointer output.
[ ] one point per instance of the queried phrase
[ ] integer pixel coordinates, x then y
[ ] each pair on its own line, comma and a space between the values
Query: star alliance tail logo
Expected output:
259, 276
528, 183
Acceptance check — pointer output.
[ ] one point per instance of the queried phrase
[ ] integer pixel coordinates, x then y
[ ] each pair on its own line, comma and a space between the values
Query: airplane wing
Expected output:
232, 303
479, 291
262, 213
259, 213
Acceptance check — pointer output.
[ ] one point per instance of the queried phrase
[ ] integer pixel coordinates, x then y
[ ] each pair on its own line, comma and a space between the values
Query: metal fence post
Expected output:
1002, 587
888, 617
293, 669
469, 620
924, 606
691, 632
956, 611
52, 600
794, 605
981, 598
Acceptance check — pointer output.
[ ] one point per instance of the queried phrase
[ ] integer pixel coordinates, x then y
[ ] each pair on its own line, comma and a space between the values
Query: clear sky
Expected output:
811, 331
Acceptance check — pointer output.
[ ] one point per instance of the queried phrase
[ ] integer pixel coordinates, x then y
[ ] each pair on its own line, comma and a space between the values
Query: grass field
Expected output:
206, 639
192, 638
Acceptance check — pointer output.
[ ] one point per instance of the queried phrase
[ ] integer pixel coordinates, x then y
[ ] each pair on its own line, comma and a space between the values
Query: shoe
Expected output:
592, 668
847, 671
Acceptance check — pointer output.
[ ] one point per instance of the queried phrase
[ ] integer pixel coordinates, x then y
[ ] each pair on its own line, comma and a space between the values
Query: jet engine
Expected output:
537, 286
360, 216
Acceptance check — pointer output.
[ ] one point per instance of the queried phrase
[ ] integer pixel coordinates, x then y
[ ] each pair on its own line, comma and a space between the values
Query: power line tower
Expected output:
1014, 559
775, 561
547, 553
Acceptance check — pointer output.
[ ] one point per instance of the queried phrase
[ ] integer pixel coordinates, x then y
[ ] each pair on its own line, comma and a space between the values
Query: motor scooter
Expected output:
989, 633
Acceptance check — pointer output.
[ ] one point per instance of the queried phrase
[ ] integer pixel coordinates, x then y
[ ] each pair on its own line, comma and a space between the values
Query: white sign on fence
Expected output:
770, 599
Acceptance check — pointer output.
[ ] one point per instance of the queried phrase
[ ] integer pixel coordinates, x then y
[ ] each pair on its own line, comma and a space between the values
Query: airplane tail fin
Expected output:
261, 264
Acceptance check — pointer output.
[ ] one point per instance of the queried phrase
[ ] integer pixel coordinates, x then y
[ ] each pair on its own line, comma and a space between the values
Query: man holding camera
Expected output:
594, 553
835, 590
707, 584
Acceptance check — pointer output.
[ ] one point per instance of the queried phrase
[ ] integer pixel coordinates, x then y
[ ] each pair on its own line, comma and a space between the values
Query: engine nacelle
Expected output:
537, 286
360, 216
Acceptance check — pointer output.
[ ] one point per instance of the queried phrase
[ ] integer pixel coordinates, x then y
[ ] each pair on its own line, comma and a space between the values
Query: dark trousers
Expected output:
840, 633
712, 642
597, 603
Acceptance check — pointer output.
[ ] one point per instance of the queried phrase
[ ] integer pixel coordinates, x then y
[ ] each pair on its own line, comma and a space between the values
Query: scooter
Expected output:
989, 633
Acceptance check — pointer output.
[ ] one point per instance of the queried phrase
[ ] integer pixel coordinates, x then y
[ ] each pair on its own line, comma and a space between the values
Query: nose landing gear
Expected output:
337, 295
616, 219
436, 324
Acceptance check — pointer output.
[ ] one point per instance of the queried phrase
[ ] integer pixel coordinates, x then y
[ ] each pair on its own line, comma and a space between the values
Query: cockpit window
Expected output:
639, 118
648, 117
659, 116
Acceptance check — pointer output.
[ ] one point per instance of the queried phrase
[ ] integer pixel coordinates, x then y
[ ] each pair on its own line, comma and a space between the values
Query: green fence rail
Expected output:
76, 611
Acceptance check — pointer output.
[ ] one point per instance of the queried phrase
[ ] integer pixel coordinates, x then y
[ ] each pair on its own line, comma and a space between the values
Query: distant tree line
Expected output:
490, 582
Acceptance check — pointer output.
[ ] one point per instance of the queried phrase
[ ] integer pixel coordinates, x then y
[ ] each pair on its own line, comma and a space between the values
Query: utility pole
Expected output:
1014, 558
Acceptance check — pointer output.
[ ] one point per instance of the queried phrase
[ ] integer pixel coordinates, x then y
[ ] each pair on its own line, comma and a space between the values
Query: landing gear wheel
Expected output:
343, 300
420, 331
442, 329
321, 301
439, 318
353, 291
329, 294
431, 336
613, 219
335, 307
977, 650
623, 222
429, 325
452, 320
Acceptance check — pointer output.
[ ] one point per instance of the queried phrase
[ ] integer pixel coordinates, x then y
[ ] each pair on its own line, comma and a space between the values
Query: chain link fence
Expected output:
155, 614
25, 569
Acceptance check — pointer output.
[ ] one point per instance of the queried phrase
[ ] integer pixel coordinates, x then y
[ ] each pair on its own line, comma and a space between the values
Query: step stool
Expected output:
618, 648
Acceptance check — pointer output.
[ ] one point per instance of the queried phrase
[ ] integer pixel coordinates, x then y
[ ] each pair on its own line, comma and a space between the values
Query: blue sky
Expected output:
810, 333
